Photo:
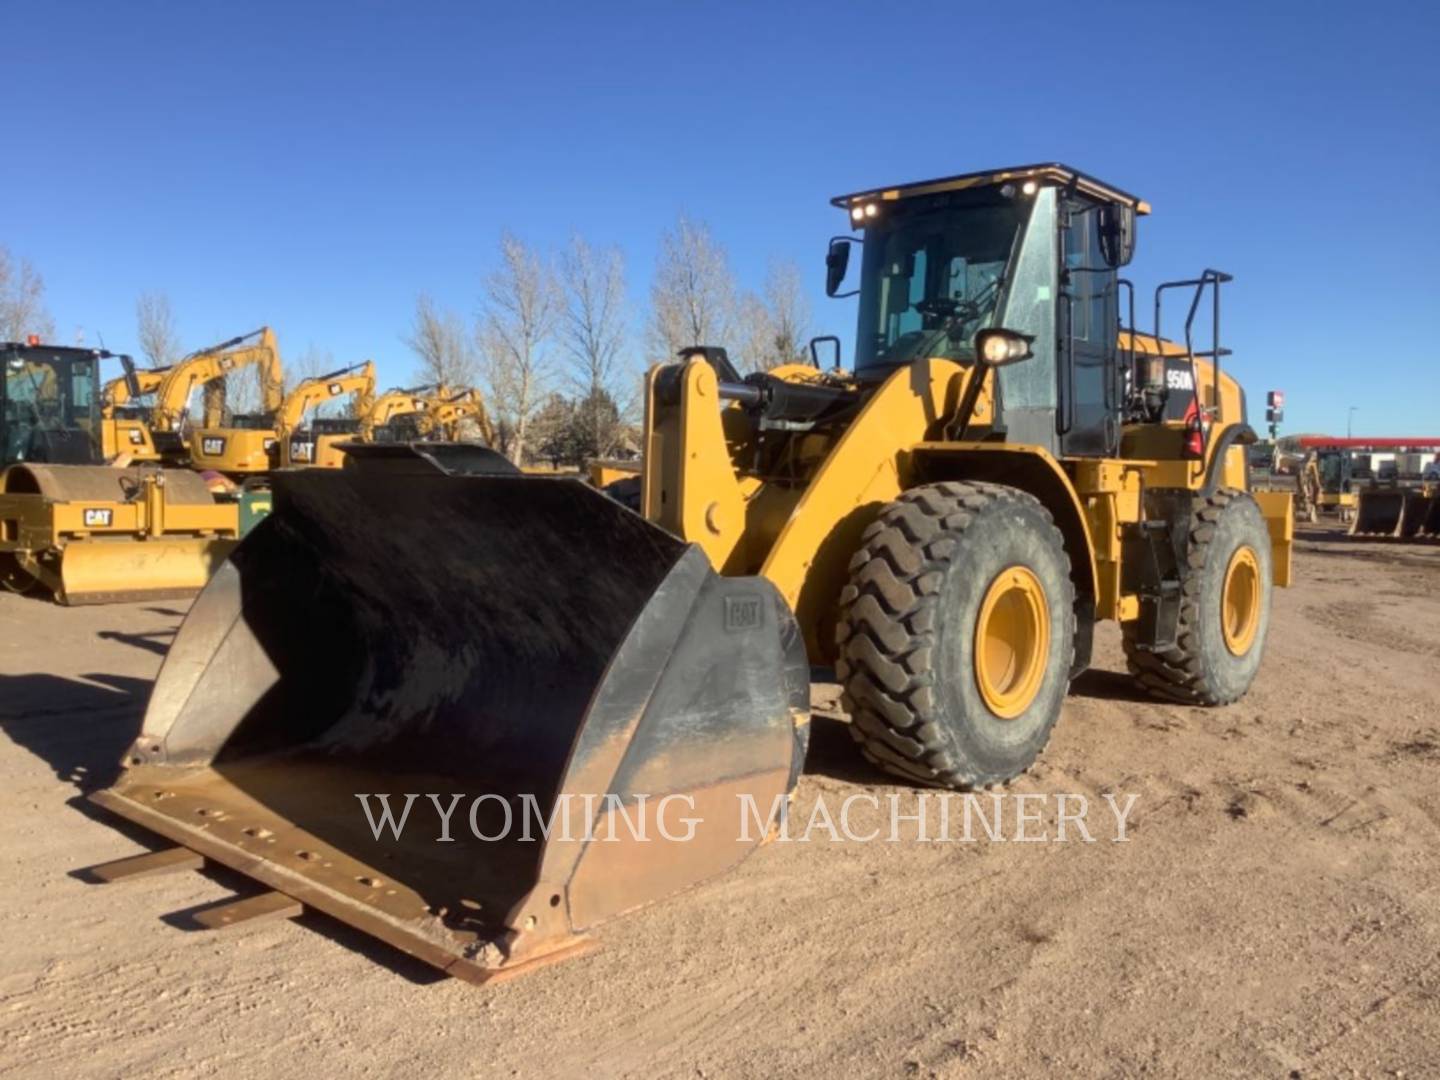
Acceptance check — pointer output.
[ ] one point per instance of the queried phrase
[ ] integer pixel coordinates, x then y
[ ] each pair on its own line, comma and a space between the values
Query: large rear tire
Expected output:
957, 634
1225, 608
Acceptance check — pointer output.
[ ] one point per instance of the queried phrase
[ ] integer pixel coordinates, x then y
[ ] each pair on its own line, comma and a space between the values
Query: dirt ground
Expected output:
1275, 911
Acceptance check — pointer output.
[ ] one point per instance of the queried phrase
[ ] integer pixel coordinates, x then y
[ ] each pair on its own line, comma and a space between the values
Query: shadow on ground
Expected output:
155, 641
79, 728
1109, 686
834, 753
346, 937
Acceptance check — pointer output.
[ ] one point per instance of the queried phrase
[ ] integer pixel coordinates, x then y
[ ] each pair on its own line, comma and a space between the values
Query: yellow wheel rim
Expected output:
1012, 642
1240, 601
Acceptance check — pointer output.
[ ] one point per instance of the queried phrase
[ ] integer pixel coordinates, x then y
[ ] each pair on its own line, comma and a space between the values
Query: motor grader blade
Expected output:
93, 534
518, 647
1379, 513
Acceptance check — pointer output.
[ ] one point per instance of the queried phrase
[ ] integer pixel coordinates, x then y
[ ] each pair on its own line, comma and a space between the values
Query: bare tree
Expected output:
22, 300
241, 390
310, 364
155, 329
775, 325
692, 297
521, 307
440, 340
592, 335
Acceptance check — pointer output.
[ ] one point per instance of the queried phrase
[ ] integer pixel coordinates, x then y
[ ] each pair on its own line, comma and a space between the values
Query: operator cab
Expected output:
50, 404
1037, 251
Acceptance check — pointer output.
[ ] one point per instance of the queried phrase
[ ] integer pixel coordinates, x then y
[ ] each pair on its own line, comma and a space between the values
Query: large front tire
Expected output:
957, 634
1224, 609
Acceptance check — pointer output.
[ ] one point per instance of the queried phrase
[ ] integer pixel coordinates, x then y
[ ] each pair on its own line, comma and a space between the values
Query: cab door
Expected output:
1088, 323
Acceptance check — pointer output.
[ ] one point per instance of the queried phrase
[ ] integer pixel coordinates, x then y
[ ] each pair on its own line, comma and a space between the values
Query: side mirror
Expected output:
815, 350
837, 261
1117, 233
132, 384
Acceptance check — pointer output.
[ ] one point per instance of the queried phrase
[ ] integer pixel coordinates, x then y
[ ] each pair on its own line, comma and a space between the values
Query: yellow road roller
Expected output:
84, 531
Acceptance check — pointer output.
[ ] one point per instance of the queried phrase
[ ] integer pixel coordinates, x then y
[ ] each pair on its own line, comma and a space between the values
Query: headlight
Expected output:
997, 346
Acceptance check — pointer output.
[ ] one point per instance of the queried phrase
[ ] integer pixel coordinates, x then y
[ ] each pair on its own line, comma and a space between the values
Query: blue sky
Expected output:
314, 166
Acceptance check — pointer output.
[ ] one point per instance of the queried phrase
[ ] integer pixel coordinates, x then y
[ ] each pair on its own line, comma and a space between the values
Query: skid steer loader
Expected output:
86, 531
944, 524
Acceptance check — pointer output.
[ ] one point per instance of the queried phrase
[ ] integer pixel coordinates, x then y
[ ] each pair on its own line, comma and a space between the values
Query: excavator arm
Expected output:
206, 366
116, 392
466, 405
358, 379
396, 403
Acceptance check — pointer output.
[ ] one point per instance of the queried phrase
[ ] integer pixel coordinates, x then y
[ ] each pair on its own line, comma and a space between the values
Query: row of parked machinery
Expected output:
1379, 487
113, 491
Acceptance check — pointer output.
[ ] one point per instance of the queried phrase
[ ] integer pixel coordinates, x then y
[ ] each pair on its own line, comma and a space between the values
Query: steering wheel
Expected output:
949, 307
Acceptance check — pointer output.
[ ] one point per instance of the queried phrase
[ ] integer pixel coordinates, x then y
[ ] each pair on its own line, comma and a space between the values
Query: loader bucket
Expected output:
1430, 526
85, 532
1415, 514
523, 649
1379, 513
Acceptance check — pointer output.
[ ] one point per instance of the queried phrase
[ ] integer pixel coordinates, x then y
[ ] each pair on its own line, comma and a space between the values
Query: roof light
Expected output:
1029, 187
33, 339
871, 210
857, 213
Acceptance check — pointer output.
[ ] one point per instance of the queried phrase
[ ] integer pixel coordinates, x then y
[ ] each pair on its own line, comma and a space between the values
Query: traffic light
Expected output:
1275, 410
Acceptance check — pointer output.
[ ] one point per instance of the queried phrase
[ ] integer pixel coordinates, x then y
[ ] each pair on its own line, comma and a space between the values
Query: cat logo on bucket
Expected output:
212, 445
742, 612
98, 518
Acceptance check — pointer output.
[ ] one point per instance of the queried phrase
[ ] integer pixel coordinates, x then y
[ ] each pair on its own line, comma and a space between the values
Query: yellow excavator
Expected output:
1006, 463
434, 413
252, 448
395, 405
72, 525
248, 443
318, 443
451, 411
124, 418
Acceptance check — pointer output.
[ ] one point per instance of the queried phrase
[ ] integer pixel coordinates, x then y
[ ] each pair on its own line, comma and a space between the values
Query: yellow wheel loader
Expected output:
85, 531
944, 524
